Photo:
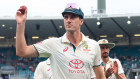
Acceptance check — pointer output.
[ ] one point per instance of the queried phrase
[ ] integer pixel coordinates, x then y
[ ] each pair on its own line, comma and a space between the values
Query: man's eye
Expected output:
65, 17
102, 47
73, 16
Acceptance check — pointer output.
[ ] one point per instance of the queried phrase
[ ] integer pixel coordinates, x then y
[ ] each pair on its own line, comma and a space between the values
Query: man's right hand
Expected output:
109, 71
21, 15
22, 49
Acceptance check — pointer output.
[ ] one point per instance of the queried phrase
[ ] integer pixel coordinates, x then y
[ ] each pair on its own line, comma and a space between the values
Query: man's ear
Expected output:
81, 22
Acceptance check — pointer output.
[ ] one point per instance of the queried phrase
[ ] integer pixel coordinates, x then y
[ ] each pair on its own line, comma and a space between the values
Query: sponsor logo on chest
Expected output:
76, 66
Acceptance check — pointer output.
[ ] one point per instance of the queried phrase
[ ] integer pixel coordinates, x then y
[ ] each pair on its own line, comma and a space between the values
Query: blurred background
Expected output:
115, 20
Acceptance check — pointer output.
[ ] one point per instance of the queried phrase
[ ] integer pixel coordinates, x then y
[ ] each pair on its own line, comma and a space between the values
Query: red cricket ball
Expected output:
23, 8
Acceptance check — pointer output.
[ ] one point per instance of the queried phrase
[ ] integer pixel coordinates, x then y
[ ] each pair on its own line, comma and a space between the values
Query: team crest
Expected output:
86, 48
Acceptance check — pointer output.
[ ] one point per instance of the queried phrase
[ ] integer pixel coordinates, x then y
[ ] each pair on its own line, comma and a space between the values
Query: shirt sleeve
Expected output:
120, 69
38, 74
97, 60
93, 74
44, 48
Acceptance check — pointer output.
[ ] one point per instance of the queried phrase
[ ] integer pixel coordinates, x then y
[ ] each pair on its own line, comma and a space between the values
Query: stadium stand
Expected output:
13, 67
20, 68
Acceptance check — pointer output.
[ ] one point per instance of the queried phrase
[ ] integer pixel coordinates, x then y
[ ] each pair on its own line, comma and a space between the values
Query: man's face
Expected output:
72, 22
104, 51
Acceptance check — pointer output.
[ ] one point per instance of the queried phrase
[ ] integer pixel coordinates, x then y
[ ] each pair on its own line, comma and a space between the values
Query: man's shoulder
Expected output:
92, 41
114, 59
54, 39
43, 63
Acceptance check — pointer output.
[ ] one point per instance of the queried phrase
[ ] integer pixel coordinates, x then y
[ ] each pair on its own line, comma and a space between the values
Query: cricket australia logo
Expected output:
86, 48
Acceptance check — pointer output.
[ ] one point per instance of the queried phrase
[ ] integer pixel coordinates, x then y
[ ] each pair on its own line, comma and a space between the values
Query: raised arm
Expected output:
22, 49
117, 68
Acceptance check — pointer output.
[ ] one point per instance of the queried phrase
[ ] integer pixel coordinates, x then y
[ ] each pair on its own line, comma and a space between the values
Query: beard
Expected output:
105, 55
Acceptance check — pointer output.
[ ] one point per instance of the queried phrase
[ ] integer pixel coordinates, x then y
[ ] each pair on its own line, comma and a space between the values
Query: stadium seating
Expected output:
129, 57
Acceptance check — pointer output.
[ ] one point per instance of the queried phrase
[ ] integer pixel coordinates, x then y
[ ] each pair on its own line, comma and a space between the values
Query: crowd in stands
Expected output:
128, 61
23, 66
8, 57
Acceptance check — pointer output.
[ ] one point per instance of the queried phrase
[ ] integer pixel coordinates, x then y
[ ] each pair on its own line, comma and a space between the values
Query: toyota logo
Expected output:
76, 64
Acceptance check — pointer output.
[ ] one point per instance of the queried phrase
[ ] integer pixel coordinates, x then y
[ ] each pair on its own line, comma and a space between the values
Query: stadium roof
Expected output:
115, 27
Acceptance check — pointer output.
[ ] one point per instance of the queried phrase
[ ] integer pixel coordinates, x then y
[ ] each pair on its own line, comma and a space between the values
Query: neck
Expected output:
105, 60
75, 37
